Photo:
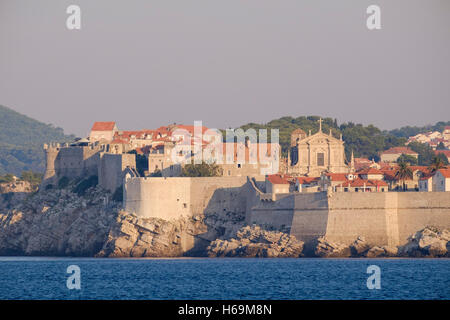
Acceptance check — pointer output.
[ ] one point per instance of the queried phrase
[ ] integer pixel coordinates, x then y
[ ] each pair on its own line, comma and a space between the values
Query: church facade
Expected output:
311, 155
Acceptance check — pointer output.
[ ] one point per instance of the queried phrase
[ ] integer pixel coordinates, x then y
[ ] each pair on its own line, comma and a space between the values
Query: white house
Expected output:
441, 180
426, 184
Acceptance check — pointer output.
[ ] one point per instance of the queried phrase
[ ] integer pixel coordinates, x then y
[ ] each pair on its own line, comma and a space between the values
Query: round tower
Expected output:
51, 153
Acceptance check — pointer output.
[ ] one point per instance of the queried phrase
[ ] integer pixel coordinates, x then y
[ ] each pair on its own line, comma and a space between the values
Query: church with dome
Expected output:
313, 154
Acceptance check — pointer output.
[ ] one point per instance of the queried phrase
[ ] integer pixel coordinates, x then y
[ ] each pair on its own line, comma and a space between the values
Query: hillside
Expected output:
409, 131
21, 140
364, 141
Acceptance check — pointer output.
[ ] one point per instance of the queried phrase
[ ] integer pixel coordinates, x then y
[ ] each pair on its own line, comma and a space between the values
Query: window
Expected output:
320, 159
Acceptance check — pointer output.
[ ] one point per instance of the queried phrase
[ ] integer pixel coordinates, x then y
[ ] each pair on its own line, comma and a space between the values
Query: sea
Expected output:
223, 278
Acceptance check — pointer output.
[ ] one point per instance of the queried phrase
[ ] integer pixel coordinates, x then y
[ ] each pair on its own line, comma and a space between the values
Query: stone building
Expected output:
392, 154
441, 180
313, 154
102, 131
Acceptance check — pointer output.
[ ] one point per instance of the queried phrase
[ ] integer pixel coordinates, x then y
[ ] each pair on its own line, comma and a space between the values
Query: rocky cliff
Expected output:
256, 242
60, 222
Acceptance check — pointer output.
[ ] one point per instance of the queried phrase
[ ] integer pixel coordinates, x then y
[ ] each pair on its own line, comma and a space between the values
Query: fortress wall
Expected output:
419, 209
211, 194
381, 218
272, 215
172, 198
310, 216
74, 162
371, 215
111, 169
69, 162
165, 198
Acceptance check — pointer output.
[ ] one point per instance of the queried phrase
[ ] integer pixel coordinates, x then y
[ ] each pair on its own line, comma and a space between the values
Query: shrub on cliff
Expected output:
32, 177
201, 170
85, 184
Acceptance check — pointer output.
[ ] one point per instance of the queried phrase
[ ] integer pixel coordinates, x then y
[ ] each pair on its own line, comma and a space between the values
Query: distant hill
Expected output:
409, 131
364, 141
21, 140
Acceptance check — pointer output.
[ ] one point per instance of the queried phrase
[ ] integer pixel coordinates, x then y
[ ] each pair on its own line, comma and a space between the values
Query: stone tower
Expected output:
296, 136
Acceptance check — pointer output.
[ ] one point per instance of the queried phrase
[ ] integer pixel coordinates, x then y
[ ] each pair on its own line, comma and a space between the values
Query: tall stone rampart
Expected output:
172, 198
382, 218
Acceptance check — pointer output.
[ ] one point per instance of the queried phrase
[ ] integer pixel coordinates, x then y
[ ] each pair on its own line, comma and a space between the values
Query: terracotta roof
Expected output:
445, 152
445, 172
298, 131
304, 180
103, 126
361, 183
278, 179
423, 169
426, 177
370, 171
337, 176
399, 150
119, 141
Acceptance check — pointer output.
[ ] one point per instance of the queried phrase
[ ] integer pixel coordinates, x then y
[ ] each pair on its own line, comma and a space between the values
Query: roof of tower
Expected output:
298, 131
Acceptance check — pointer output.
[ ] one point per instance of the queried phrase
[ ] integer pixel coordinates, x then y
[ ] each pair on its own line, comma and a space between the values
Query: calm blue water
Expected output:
45, 278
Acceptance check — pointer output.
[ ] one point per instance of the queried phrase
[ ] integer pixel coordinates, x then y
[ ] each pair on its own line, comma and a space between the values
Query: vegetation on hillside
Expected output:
364, 141
29, 176
21, 140
408, 131
201, 170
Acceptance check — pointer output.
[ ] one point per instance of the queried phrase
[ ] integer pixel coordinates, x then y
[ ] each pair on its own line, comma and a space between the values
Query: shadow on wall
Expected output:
223, 215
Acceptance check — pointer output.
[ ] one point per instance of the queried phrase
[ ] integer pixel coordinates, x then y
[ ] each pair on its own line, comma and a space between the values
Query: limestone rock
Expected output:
359, 247
428, 242
256, 242
381, 252
328, 249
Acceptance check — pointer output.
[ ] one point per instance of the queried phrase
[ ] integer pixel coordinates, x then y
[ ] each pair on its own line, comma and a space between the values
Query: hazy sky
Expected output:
225, 62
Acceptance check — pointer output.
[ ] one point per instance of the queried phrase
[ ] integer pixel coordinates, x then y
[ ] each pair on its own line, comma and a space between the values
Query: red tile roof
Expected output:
305, 180
361, 183
278, 179
337, 176
445, 172
370, 171
445, 152
399, 150
103, 126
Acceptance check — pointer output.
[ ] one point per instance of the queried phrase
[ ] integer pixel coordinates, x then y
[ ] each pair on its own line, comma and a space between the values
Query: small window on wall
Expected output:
320, 159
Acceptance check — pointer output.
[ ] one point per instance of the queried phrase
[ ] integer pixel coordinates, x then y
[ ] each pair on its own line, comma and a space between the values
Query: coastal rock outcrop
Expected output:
428, 242
256, 242
60, 222
328, 249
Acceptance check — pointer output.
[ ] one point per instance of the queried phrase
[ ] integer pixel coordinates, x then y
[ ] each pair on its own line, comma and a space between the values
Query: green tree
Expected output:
441, 146
32, 177
404, 173
412, 161
201, 170
7, 178
426, 153
438, 163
